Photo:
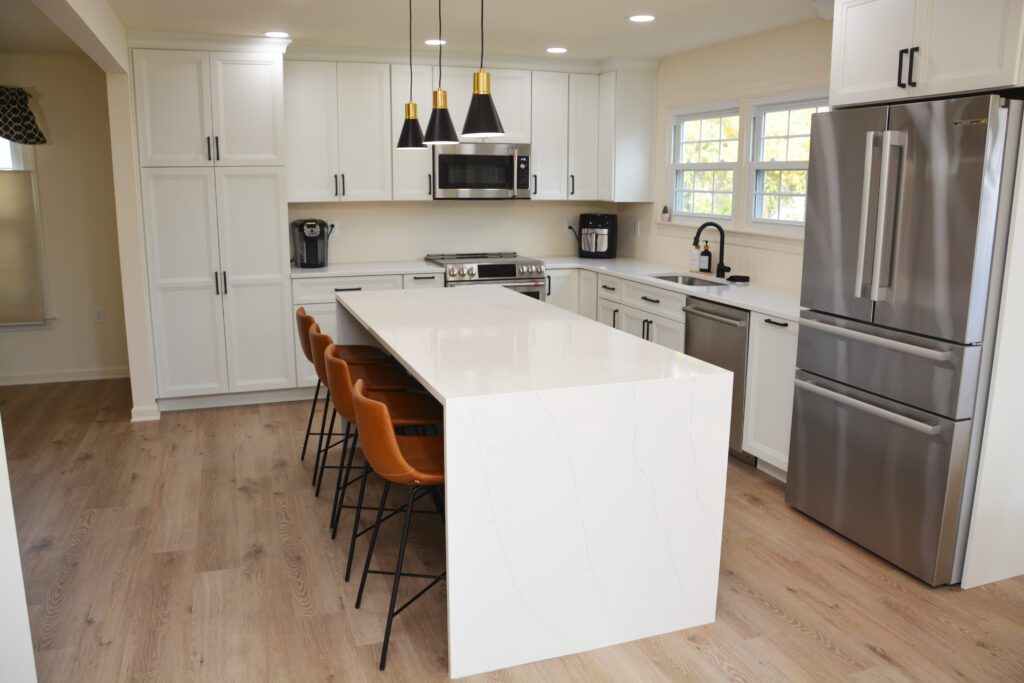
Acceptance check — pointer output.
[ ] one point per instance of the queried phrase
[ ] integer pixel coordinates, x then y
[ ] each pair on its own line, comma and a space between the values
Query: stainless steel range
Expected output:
506, 268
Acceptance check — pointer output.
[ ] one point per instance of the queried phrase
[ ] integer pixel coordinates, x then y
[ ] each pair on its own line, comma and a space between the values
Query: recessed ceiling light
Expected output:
275, 34
641, 18
435, 41
557, 50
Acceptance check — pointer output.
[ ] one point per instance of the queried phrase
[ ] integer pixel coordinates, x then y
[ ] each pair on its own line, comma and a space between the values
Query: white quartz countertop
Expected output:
368, 268
753, 297
487, 340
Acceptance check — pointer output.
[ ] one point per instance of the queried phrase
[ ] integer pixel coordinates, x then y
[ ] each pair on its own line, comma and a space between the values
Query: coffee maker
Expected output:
309, 242
599, 233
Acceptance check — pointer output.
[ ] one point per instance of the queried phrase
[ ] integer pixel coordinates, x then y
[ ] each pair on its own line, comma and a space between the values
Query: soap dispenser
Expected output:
705, 259
695, 259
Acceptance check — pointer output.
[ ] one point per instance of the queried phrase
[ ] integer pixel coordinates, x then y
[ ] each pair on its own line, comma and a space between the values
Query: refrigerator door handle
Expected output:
904, 347
865, 208
864, 407
890, 139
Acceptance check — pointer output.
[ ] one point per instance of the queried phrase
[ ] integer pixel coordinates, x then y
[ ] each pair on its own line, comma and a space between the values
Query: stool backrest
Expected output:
339, 381
377, 436
318, 343
304, 321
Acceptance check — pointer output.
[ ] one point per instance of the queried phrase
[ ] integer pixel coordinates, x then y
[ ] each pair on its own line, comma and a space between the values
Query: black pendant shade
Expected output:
482, 120
440, 129
411, 136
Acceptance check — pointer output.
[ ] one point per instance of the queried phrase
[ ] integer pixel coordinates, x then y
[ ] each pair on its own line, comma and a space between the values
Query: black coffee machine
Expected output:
309, 242
599, 234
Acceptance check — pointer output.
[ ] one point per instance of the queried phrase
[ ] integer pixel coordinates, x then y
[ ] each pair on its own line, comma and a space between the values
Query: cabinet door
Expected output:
608, 313
256, 286
633, 321
588, 294
172, 107
511, 92
606, 137
667, 333
248, 109
564, 289
411, 169
966, 47
583, 135
326, 316
550, 146
771, 368
311, 131
423, 281
364, 131
180, 218
867, 36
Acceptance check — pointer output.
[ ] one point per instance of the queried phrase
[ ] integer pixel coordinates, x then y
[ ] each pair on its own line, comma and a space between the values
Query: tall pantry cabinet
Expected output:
211, 147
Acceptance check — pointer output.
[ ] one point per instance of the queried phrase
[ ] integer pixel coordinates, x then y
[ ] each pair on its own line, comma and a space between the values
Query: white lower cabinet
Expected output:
423, 281
588, 294
771, 370
563, 289
639, 323
608, 312
326, 315
665, 332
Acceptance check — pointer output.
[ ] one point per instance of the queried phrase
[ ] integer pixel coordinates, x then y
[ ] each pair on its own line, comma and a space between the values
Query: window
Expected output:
782, 145
6, 155
705, 157
23, 292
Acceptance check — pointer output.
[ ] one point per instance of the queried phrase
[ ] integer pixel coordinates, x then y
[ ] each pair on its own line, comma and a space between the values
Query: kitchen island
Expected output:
585, 471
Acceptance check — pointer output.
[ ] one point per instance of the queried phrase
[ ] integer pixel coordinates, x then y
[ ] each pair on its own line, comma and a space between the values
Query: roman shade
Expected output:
22, 299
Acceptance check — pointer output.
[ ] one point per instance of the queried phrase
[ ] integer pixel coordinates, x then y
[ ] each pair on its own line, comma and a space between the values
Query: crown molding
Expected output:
198, 41
333, 53
627, 64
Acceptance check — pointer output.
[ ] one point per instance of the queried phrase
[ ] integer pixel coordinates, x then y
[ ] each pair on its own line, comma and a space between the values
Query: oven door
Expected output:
531, 288
483, 171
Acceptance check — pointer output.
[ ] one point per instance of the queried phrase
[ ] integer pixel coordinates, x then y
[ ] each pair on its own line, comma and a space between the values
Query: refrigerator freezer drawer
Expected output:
936, 376
885, 476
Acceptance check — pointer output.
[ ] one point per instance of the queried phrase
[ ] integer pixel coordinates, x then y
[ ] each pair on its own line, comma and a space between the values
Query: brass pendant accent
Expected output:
482, 82
440, 99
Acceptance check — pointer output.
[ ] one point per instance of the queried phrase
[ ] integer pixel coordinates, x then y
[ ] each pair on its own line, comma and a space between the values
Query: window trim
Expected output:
680, 116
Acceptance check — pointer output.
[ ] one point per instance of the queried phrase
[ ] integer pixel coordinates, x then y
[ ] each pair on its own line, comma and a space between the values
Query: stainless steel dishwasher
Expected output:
718, 334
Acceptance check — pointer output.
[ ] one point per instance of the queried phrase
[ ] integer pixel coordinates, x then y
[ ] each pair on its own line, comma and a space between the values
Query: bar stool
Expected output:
389, 375
407, 409
416, 461
365, 354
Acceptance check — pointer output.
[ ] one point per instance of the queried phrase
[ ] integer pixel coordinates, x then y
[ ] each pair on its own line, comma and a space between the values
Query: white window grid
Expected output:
680, 165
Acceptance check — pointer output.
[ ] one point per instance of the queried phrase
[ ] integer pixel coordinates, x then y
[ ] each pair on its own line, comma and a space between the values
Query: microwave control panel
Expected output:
522, 172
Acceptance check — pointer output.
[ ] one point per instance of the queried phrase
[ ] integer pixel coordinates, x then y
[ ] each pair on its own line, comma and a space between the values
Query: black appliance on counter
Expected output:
599, 234
309, 242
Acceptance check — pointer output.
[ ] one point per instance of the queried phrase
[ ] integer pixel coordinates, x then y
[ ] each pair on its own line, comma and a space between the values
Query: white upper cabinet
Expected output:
311, 131
411, 169
584, 104
550, 147
172, 102
886, 50
248, 109
625, 135
511, 92
364, 131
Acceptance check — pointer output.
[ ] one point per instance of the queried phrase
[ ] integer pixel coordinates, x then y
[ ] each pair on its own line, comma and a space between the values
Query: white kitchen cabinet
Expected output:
588, 294
626, 135
665, 332
632, 320
183, 255
202, 109
640, 323
258, 325
549, 162
584, 104
326, 315
364, 132
512, 94
422, 280
564, 289
311, 131
608, 312
771, 370
898, 49
411, 169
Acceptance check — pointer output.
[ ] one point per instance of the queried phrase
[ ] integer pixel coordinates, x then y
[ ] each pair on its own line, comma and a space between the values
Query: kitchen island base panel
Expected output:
583, 517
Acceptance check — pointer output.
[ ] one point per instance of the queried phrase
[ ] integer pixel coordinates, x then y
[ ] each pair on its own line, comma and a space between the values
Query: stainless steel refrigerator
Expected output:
907, 218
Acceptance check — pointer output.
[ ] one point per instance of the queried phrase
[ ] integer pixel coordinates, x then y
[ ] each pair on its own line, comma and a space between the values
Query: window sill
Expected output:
787, 232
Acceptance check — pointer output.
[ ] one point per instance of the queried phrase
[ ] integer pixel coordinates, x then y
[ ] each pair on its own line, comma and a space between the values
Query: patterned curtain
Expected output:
17, 123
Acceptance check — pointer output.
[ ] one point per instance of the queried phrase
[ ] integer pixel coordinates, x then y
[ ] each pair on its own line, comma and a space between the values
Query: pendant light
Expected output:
482, 119
411, 136
440, 129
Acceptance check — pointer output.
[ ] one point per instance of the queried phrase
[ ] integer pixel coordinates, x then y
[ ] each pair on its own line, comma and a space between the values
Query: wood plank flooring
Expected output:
194, 549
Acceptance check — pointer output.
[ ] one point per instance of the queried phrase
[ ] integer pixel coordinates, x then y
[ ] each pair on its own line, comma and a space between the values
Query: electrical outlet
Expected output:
98, 316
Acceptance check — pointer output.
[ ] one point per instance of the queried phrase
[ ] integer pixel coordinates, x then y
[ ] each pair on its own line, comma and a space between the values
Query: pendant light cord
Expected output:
481, 34
410, 50
440, 45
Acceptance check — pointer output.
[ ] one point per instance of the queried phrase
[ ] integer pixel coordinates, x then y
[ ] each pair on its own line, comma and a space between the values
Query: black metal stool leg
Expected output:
309, 423
373, 542
398, 576
355, 522
318, 474
342, 471
323, 426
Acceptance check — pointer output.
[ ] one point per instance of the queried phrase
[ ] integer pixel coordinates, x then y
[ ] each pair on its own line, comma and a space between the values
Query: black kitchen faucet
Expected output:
722, 269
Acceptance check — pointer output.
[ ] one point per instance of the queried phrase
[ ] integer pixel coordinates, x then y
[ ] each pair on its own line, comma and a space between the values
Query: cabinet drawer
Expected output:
660, 301
320, 290
609, 287
423, 281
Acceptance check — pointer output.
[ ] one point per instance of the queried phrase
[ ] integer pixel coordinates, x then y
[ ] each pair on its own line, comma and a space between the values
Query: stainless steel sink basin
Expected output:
690, 280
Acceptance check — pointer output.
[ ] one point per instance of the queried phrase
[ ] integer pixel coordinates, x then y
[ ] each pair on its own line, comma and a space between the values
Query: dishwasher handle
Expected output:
717, 318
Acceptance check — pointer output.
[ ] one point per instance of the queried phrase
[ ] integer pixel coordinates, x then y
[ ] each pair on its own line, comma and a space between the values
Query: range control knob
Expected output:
472, 272
540, 268
522, 269
462, 271
533, 269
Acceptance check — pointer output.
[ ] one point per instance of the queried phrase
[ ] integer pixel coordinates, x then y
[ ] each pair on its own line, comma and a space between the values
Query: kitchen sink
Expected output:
690, 280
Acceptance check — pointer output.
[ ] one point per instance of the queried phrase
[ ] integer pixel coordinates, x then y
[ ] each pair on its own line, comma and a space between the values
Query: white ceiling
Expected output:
591, 29
23, 28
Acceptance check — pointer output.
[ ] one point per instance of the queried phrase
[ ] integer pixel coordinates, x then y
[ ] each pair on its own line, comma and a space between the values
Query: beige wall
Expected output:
794, 59
79, 229
384, 231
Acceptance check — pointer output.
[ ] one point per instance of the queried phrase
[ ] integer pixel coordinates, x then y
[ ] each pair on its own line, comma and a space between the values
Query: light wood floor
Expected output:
193, 549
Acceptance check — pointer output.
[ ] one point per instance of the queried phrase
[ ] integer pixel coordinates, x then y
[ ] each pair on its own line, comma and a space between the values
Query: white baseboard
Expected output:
145, 413
771, 470
228, 400
115, 372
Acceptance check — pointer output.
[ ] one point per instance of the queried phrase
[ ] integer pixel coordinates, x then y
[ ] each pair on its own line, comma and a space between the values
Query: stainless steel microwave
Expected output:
482, 171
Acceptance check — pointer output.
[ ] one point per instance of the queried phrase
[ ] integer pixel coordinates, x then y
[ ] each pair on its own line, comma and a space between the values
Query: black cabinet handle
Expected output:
423, 277
615, 315
216, 283
535, 183
430, 184
650, 300
549, 281
224, 275
343, 192
572, 184
216, 146
209, 157
348, 289
910, 69
647, 330
610, 289
337, 192
777, 323
899, 69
